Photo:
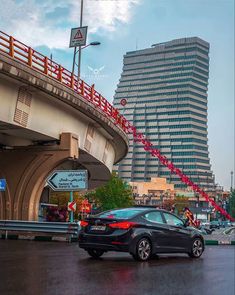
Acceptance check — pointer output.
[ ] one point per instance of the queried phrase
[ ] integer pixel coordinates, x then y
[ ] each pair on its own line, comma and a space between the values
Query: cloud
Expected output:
48, 22
104, 14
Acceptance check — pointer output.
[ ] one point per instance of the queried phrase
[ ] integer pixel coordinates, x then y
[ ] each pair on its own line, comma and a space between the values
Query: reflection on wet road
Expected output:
43, 268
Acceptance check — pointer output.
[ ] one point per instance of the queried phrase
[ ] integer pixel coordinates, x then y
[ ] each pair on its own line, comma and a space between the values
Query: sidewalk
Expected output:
219, 238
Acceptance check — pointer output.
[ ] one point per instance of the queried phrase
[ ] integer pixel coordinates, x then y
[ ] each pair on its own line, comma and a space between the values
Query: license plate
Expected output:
98, 227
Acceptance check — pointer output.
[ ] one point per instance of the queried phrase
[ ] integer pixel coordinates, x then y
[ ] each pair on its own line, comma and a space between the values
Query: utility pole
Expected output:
231, 188
80, 48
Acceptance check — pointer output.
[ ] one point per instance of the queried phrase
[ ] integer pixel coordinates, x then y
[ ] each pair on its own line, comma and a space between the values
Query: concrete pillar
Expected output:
26, 170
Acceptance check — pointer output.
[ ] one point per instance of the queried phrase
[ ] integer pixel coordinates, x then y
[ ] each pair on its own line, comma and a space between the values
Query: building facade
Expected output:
166, 91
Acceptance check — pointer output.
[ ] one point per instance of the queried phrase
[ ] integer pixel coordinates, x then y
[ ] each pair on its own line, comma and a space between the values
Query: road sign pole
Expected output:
71, 212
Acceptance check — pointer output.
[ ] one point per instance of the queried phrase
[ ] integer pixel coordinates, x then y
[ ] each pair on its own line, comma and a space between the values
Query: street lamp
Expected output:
231, 188
94, 43
79, 47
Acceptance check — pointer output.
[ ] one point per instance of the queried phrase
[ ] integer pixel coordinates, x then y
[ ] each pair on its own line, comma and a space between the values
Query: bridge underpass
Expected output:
45, 125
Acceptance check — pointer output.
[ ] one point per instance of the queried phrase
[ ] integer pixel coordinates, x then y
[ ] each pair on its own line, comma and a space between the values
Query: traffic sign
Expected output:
3, 184
72, 206
123, 102
68, 180
86, 208
78, 37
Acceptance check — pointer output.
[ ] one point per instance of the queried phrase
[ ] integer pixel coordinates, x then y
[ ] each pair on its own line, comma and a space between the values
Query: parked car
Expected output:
226, 223
142, 232
205, 222
215, 224
205, 230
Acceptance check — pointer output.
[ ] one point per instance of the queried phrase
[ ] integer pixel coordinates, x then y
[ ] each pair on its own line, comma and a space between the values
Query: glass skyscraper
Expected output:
166, 91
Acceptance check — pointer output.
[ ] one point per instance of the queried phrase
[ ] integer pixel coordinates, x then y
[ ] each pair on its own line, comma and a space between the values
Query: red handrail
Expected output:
43, 64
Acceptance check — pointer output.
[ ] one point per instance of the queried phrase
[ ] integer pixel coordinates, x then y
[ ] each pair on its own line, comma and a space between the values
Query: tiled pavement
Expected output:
219, 237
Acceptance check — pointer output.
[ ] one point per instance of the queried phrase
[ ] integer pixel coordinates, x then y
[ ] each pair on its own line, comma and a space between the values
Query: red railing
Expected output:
43, 64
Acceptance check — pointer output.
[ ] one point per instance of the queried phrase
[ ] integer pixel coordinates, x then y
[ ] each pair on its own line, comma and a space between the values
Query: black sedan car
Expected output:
142, 232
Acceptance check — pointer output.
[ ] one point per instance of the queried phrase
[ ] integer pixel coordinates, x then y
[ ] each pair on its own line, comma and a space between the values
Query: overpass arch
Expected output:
39, 109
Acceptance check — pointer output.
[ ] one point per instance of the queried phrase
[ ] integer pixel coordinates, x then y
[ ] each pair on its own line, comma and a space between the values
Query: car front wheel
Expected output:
95, 253
143, 250
197, 248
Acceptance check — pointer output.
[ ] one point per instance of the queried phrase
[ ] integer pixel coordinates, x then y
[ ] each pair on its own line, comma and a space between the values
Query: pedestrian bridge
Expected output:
49, 120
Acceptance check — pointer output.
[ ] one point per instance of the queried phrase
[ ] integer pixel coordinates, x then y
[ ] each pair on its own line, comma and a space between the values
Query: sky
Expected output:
127, 25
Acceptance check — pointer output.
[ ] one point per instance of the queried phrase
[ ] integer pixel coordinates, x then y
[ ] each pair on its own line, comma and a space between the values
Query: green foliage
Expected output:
59, 198
232, 204
115, 194
168, 204
180, 203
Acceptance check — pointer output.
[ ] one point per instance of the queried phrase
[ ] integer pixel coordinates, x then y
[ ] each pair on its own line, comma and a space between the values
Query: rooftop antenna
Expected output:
136, 44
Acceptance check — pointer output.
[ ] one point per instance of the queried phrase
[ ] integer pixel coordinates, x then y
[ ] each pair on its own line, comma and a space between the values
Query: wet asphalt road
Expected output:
50, 268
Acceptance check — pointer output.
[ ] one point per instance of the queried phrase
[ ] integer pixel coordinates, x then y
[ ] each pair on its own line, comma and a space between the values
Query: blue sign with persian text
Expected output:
3, 185
68, 180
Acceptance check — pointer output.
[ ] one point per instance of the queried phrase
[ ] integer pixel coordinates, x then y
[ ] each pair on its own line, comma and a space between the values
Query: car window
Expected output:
120, 213
154, 217
172, 219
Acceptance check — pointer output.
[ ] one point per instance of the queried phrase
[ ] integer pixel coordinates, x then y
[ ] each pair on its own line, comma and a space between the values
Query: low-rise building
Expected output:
152, 192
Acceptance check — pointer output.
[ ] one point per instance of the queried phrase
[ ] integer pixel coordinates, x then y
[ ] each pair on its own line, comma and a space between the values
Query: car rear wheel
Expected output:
95, 253
197, 248
143, 250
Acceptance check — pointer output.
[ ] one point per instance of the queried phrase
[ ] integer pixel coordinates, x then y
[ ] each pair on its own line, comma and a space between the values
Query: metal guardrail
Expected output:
66, 228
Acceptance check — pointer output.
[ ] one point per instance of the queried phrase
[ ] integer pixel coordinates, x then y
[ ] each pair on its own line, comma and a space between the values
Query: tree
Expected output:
177, 204
62, 198
180, 203
232, 204
115, 194
168, 204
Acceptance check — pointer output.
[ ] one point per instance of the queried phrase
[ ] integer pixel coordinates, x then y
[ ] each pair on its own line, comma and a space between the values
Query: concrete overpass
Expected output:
48, 121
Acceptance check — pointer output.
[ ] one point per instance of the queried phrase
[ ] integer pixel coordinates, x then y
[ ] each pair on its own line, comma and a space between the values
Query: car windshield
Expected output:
121, 213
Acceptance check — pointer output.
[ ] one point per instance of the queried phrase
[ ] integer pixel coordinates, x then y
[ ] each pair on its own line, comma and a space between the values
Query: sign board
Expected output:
72, 206
85, 201
85, 208
68, 180
123, 102
3, 184
78, 37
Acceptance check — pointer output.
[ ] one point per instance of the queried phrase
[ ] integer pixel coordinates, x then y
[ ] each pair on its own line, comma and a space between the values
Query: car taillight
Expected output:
83, 223
122, 225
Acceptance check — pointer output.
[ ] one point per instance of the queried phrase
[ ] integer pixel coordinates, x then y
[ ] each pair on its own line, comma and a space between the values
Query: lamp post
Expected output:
231, 188
95, 43
80, 47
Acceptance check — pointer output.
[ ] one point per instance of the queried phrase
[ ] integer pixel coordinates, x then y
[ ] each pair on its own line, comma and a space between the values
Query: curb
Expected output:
214, 242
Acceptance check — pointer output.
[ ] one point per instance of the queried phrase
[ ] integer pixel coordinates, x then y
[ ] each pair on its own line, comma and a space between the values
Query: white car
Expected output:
205, 223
